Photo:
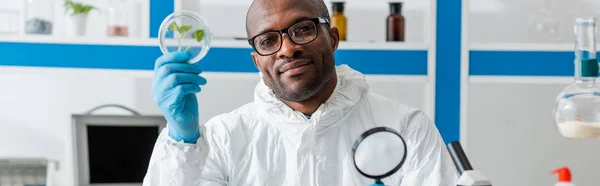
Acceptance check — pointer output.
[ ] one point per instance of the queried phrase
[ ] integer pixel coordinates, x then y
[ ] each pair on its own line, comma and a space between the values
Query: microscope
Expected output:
468, 175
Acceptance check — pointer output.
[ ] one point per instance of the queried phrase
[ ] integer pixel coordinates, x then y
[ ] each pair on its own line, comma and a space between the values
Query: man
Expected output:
300, 128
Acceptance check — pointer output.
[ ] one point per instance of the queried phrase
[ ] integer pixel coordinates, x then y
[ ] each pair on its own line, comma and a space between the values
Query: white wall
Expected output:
37, 104
491, 20
508, 20
227, 18
513, 139
509, 131
97, 20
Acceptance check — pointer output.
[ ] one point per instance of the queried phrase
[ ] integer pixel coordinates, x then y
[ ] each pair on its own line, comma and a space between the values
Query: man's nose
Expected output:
288, 48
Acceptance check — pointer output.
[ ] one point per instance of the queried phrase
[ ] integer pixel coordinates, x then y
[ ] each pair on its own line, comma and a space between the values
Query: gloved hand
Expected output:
174, 87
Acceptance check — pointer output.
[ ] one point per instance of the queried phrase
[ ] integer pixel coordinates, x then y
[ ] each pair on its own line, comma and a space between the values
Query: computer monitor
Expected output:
114, 150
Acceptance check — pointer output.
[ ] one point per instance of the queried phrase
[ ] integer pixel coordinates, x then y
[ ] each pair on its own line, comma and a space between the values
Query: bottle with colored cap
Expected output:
577, 106
564, 176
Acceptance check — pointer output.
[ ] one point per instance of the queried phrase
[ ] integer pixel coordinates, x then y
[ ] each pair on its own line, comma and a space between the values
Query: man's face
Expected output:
295, 72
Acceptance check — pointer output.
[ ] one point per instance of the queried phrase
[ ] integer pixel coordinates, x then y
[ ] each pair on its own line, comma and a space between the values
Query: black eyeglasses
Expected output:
300, 33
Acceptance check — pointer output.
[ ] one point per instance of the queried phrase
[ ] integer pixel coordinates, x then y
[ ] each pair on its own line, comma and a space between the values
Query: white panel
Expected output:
222, 93
407, 92
513, 140
507, 20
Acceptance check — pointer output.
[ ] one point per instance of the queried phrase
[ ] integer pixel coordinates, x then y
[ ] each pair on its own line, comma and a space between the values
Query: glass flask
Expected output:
577, 109
185, 31
542, 25
39, 16
117, 19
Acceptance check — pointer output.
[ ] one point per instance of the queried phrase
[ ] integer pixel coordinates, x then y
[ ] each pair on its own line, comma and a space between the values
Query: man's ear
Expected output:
253, 54
335, 37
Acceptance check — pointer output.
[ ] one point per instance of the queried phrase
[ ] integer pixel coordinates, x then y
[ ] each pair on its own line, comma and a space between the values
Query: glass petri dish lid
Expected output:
185, 31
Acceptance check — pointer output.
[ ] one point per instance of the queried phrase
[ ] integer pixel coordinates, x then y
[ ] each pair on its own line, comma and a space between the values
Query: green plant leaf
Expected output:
77, 8
184, 28
199, 35
174, 27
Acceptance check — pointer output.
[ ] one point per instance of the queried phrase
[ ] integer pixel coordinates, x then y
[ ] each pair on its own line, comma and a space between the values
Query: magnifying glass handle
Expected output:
377, 183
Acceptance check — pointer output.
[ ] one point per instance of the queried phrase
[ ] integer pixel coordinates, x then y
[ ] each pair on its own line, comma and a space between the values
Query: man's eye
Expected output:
304, 29
267, 41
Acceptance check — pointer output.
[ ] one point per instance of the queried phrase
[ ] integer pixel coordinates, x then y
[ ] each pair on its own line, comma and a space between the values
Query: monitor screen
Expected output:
119, 154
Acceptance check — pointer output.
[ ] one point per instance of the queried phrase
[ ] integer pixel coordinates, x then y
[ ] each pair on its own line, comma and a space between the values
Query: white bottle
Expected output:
564, 176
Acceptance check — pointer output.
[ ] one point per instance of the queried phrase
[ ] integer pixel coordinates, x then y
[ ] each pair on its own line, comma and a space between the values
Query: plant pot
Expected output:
76, 25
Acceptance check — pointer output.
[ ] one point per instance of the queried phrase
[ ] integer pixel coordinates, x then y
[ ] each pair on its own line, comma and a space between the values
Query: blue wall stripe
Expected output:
447, 86
159, 10
521, 63
385, 61
217, 59
78, 56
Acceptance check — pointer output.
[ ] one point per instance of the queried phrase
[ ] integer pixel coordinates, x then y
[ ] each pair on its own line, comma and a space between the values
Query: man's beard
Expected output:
315, 86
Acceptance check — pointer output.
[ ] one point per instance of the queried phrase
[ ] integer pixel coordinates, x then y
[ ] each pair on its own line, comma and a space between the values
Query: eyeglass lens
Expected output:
300, 33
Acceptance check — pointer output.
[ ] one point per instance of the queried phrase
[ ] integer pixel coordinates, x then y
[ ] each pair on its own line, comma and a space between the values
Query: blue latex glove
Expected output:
174, 89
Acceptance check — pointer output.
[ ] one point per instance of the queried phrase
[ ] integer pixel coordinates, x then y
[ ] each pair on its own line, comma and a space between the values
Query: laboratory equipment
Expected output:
564, 176
378, 153
39, 17
28, 171
468, 175
117, 18
338, 19
113, 149
395, 23
542, 26
577, 108
189, 30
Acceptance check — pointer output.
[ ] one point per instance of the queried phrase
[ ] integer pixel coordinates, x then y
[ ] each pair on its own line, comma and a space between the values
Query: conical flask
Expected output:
577, 109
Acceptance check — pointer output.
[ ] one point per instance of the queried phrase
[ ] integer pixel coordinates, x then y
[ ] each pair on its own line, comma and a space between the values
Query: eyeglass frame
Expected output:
316, 21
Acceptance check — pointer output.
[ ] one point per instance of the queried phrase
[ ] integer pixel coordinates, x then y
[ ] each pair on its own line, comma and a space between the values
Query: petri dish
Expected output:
185, 31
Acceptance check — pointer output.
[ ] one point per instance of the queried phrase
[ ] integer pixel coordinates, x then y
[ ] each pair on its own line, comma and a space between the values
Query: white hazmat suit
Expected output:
266, 143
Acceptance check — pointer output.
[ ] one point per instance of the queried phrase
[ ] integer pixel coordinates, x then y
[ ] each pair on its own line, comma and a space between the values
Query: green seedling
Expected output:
198, 34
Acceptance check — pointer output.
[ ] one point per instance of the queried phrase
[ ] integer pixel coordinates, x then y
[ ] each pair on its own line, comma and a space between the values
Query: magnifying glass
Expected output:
379, 153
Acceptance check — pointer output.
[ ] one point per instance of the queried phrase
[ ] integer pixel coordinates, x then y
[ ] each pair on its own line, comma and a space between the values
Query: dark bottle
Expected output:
339, 20
395, 23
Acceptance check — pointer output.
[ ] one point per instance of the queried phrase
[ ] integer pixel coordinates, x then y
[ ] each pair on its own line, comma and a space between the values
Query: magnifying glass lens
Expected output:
379, 153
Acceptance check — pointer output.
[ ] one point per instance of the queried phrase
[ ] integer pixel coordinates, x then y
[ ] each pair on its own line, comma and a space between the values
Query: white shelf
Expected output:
522, 46
382, 45
229, 43
551, 80
118, 41
78, 40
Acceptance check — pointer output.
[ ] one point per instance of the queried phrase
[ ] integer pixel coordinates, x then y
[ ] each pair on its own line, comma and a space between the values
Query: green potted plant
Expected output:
77, 17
